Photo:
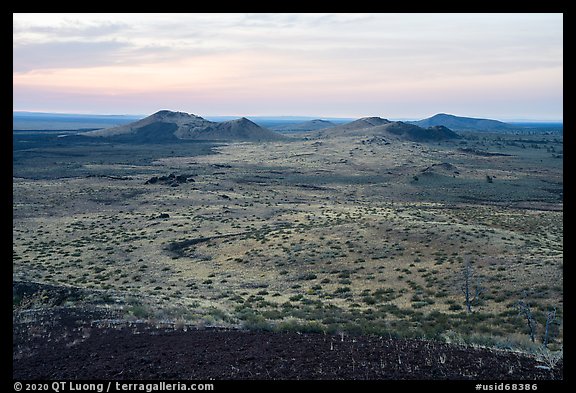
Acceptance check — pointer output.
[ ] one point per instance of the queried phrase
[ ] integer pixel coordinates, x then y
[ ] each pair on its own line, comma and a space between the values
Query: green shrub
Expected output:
140, 311
256, 322
342, 290
293, 325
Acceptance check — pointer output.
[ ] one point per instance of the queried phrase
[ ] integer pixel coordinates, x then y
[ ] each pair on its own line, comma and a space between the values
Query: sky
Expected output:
398, 66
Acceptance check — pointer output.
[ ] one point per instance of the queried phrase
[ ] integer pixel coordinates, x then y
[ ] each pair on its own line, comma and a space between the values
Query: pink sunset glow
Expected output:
349, 65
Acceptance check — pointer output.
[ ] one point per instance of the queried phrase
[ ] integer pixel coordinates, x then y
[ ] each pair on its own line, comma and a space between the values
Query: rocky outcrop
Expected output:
171, 180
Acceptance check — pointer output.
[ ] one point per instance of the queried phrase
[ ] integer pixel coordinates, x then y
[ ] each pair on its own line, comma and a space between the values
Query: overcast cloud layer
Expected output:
504, 66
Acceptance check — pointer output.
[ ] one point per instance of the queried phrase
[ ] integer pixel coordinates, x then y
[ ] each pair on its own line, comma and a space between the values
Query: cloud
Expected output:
463, 43
66, 54
277, 57
65, 31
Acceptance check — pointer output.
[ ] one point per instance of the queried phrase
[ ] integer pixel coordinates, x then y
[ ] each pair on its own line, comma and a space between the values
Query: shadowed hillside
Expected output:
311, 125
166, 126
376, 126
462, 123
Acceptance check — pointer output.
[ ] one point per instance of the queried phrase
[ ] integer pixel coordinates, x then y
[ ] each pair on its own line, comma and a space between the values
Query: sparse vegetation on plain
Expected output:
302, 235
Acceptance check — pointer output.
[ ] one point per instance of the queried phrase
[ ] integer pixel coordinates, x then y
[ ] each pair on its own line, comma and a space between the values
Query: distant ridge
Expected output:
377, 126
462, 123
66, 121
311, 125
165, 126
366, 122
354, 127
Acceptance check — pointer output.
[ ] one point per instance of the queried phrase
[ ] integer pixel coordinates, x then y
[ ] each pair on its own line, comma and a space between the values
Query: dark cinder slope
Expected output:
461, 123
310, 125
169, 126
418, 134
146, 352
239, 129
376, 126
353, 128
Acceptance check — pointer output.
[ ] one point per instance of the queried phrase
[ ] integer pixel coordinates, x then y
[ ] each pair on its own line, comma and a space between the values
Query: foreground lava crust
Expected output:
71, 349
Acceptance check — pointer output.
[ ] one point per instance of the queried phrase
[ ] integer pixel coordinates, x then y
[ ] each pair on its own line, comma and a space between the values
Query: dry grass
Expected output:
332, 226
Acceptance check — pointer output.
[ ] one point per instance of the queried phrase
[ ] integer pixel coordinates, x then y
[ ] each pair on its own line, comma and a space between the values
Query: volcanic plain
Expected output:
330, 236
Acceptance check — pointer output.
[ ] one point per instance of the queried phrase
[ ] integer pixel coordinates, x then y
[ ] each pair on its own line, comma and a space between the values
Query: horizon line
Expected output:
510, 119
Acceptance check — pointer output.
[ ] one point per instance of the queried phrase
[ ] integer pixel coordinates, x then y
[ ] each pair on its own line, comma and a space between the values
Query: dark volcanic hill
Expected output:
412, 132
355, 127
461, 123
377, 126
310, 125
166, 126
